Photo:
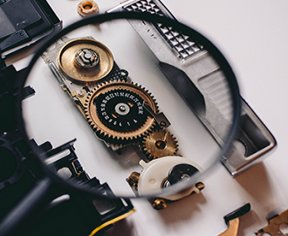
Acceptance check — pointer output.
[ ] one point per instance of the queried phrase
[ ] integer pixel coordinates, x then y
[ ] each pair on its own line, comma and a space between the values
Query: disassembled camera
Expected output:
121, 113
180, 56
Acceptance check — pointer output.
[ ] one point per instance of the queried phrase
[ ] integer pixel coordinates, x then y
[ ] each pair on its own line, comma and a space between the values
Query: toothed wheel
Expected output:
116, 111
158, 144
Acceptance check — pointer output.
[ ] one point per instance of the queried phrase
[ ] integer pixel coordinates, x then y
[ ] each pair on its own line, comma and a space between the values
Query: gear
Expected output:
85, 60
115, 110
158, 144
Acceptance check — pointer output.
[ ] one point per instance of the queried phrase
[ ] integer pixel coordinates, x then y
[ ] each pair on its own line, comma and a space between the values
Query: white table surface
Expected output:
253, 35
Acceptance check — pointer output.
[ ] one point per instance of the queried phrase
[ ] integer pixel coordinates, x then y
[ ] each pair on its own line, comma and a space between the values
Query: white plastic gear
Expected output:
155, 172
104, 132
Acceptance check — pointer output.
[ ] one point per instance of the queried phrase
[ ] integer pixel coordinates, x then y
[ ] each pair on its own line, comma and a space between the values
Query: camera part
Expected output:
85, 60
21, 174
199, 80
232, 220
120, 112
24, 22
99, 214
116, 111
161, 173
89, 215
277, 225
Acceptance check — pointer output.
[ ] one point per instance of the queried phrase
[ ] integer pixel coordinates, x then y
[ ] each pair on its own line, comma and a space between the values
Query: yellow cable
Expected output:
96, 230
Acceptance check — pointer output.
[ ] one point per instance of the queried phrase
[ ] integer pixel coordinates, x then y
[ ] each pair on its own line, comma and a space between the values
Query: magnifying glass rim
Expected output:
151, 18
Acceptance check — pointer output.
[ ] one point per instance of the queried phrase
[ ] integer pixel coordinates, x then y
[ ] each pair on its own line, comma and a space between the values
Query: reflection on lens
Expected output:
142, 106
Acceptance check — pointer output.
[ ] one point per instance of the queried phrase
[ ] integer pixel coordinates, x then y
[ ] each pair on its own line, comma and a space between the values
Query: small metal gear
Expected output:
116, 111
158, 144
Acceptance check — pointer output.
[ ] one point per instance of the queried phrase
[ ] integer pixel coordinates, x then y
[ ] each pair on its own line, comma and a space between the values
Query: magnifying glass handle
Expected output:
35, 200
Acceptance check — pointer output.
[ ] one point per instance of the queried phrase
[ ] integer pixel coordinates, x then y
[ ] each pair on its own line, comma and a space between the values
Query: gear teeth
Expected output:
168, 147
110, 137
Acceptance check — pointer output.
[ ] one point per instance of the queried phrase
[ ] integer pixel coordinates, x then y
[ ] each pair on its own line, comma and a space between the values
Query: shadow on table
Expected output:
246, 222
182, 209
256, 183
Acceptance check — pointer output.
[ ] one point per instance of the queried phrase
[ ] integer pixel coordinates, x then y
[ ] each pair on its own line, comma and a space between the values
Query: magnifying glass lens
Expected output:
143, 104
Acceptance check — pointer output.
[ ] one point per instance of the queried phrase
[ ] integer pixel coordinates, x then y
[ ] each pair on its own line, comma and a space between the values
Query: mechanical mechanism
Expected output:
122, 114
116, 111
161, 173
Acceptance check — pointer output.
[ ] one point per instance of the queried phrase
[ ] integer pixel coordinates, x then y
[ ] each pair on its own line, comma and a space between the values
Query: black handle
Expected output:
31, 203
237, 213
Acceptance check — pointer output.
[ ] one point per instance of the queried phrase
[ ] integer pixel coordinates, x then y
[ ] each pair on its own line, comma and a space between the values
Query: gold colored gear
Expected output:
159, 143
112, 136
66, 60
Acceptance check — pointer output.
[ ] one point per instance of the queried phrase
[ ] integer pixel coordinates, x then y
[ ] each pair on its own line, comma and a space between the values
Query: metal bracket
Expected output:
179, 56
275, 224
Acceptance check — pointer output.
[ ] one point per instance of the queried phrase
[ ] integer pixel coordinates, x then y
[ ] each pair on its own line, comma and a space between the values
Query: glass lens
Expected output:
149, 105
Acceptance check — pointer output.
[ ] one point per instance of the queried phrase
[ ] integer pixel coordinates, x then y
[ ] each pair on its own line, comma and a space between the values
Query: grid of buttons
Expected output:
180, 43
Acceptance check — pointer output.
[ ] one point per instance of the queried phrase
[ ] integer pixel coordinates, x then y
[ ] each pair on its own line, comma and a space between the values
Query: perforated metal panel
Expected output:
181, 44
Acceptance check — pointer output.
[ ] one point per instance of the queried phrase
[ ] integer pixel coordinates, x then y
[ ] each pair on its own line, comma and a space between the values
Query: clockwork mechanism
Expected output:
158, 144
123, 114
117, 111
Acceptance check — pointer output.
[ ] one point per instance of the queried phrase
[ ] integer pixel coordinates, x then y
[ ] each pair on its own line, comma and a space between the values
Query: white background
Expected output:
253, 36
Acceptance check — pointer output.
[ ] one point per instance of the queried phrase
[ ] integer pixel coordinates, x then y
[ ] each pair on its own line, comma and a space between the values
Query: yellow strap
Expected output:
110, 222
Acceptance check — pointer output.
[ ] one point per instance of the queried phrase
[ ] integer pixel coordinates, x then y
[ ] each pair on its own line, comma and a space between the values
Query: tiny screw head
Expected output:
87, 58
159, 204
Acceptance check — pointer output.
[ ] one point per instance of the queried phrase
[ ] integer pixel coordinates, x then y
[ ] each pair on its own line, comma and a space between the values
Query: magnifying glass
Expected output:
152, 103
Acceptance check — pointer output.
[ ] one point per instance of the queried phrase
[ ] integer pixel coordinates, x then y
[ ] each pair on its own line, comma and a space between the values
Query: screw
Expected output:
159, 204
81, 93
87, 58
133, 180
160, 144
122, 108
200, 186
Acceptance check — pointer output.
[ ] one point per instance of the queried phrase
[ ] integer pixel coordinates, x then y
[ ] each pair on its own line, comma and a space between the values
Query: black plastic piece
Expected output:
237, 213
20, 175
180, 172
25, 21
9, 90
27, 92
77, 215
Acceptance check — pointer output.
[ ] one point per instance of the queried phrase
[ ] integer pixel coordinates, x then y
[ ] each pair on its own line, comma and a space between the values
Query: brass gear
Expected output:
115, 110
85, 60
158, 144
